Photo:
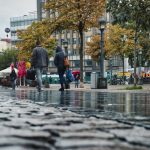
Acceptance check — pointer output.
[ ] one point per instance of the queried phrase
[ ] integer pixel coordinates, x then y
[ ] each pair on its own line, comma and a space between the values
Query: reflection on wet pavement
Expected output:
132, 104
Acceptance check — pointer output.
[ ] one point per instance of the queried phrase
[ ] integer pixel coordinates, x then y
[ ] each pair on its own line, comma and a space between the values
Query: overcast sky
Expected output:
13, 8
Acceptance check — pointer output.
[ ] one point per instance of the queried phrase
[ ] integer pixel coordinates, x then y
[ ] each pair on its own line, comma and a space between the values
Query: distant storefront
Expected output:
146, 78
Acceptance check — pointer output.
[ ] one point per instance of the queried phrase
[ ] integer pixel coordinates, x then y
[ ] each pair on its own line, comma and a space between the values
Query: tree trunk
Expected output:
135, 47
123, 69
81, 53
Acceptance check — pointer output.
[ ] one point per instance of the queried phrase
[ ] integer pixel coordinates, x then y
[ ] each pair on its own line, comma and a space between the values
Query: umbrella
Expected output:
75, 72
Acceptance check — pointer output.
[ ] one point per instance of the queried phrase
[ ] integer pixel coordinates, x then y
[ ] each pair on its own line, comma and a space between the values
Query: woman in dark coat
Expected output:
13, 77
59, 63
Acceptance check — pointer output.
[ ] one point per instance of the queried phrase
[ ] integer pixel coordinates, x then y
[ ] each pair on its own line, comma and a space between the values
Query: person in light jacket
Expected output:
39, 61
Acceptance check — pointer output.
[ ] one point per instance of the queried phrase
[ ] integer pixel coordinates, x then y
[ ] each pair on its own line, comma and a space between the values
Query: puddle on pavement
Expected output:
132, 104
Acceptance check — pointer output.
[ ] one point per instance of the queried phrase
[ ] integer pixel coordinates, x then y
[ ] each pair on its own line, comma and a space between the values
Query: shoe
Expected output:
40, 90
67, 86
61, 89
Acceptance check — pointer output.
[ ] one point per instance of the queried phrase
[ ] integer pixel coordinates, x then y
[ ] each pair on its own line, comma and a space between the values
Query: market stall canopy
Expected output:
7, 71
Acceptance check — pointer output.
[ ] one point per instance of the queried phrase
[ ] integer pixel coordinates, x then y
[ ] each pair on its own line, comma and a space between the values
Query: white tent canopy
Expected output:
7, 71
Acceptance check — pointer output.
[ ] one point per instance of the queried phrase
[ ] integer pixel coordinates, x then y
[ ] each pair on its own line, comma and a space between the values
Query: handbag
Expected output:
66, 62
69, 75
30, 75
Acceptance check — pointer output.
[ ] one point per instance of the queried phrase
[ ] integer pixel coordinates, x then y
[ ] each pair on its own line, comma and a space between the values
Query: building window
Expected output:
88, 39
74, 40
77, 63
75, 52
88, 62
68, 41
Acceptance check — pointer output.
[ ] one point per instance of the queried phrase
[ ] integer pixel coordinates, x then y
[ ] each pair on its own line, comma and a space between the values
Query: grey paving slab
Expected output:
19, 148
13, 141
73, 120
137, 135
87, 134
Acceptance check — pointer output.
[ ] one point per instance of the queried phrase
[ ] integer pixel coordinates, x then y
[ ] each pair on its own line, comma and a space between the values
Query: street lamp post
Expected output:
140, 65
110, 70
123, 39
102, 80
102, 24
65, 44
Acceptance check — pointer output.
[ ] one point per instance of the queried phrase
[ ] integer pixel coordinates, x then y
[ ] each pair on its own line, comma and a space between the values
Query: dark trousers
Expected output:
61, 78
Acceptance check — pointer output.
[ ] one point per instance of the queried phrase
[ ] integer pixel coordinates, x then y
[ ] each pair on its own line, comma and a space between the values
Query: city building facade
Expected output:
4, 44
41, 13
20, 23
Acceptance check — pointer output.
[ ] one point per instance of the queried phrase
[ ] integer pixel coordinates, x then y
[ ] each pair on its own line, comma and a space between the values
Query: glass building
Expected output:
20, 23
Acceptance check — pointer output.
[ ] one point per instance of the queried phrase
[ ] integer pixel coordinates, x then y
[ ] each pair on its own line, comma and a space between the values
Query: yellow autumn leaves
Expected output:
118, 41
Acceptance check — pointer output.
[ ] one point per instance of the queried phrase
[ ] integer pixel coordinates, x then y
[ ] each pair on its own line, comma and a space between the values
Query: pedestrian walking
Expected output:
59, 63
39, 61
50, 80
13, 77
77, 78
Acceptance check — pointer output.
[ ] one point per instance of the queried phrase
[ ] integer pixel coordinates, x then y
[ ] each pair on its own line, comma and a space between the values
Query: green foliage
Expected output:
134, 88
7, 57
144, 41
130, 11
135, 12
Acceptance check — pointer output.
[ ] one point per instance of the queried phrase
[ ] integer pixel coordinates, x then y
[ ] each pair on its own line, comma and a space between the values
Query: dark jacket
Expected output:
13, 75
39, 57
59, 59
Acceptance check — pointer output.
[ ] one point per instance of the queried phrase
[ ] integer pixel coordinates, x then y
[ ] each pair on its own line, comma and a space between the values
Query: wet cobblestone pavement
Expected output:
74, 120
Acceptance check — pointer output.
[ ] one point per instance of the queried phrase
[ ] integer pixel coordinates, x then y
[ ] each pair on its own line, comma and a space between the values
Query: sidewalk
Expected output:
87, 87
28, 125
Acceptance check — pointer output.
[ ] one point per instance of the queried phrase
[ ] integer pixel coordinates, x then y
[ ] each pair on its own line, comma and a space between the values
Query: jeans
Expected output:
13, 84
76, 83
39, 72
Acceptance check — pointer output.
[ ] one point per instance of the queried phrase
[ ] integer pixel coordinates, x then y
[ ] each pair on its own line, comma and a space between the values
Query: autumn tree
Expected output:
93, 48
78, 15
118, 41
135, 12
38, 30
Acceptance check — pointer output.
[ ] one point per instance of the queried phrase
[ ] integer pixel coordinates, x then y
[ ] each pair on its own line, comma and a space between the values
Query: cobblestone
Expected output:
29, 125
